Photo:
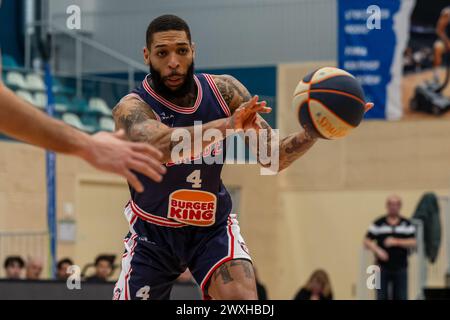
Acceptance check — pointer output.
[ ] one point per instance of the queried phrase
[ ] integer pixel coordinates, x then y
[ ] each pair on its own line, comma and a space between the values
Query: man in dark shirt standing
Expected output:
390, 238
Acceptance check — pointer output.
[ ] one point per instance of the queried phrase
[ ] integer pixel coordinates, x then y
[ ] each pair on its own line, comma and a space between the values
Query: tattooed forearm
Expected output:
293, 147
131, 113
140, 124
289, 150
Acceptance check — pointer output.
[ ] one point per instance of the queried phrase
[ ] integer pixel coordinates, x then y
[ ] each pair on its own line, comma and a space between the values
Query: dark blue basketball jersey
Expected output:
191, 193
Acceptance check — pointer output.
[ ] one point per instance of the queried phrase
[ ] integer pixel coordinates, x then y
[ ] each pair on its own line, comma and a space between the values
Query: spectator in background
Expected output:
34, 268
103, 269
389, 238
62, 272
318, 287
14, 266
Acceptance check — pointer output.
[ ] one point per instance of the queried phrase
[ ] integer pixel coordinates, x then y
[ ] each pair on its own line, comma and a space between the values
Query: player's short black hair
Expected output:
167, 22
63, 261
9, 261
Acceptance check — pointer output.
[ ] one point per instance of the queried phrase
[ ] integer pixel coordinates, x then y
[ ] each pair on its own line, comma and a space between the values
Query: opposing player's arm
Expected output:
291, 147
140, 124
105, 151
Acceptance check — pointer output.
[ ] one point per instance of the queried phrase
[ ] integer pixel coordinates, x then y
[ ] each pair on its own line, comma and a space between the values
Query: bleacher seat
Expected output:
25, 95
78, 105
61, 103
16, 79
40, 100
99, 105
74, 121
9, 62
59, 87
89, 119
107, 124
60, 107
34, 82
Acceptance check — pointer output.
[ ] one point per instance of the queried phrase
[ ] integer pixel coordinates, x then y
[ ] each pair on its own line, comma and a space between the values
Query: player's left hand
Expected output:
110, 152
245, 117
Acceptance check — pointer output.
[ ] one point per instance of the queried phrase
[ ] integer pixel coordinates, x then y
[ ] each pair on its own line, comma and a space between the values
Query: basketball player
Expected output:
104, 151
442, 45
163, 240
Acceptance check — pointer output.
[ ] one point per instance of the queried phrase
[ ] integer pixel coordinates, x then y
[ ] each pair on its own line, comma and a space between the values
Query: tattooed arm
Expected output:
140, 124
290, 148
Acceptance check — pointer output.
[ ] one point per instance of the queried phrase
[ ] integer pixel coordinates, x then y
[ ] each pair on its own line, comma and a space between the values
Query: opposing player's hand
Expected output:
245, 117
110, 152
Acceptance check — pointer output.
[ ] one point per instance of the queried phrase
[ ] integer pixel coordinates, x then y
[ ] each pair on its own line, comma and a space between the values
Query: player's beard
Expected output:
159, 86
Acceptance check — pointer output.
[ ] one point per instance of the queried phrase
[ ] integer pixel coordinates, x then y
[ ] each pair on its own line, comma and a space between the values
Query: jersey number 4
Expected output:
195, 179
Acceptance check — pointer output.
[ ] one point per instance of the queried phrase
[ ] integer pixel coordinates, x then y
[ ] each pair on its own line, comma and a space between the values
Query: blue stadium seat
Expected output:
107, 124
25, 95
79, 105
40, 100
15, 80
90, 120
62, 103
60, 88
35, 82
73, 120
99, 105
9, 62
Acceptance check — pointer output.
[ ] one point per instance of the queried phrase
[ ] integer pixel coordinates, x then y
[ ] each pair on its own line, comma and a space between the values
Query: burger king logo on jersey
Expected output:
193, 207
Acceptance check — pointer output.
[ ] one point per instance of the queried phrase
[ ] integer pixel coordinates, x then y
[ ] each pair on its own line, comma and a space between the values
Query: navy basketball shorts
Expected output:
158, 250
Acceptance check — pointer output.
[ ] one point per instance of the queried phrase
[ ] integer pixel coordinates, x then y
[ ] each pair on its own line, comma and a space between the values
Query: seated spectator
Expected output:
103, 269
34, 268
62, 272
14, 266
318, 287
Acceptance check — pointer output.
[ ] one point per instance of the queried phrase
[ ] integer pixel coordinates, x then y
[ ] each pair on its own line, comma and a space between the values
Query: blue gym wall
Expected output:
11, 29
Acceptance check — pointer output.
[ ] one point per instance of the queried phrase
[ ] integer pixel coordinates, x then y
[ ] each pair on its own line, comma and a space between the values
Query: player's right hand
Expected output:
244, 118
382, 255
110, 152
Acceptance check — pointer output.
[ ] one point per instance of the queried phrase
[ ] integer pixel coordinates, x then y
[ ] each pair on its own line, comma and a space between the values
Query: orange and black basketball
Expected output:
330, 100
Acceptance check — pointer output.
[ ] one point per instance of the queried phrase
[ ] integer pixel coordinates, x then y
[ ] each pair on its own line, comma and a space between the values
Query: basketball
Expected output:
331, 101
